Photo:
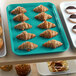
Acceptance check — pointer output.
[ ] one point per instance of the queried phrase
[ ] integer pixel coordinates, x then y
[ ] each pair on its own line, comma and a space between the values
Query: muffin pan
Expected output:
35, 30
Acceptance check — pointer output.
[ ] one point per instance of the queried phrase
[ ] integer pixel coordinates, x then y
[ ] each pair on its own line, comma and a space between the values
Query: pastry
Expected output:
18, 10
71, 10
58, 66
0, 18
23, 69
74, 29
48, 34
52, 44
1, 30
72, 18
40, 8
1, 43
43, 16
25, 36
27, 46
46, 25
23, 26
6, 67
20, 17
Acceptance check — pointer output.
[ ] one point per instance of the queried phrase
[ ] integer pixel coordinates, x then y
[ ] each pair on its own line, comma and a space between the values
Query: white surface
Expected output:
71, 10
3, 50
44, 70
69, 25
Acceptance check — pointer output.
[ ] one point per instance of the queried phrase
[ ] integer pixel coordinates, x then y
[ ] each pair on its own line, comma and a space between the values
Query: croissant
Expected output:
46, 25
25, 36
48, 34
18, 10
40, 8
52, 44
23, 26
27, 46
43, 16
20, 17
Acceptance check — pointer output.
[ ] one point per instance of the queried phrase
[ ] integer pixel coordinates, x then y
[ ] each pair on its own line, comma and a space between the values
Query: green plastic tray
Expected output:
34, 22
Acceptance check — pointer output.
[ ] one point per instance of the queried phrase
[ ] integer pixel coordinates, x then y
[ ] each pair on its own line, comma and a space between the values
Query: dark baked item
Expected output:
20, 17
43, 16
72, 18
18, 10
6, 67
23, 26
23, 69
25, 36
46, 25
48, 34
27, 46
74, 29
58, 66
40, 8
71, 9
1, 43
52, 44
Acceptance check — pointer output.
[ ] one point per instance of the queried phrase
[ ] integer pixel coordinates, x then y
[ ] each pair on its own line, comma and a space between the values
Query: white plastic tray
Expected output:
44, 70
3, 50
69, 25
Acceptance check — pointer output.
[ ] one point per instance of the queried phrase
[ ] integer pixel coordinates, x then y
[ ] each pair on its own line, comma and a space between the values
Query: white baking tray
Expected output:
3, 49
69, 25
44, 70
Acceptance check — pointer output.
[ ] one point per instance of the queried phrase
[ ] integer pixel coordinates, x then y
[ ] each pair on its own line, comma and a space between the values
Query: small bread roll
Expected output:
6, 67
1, 30
1, 43
23, 69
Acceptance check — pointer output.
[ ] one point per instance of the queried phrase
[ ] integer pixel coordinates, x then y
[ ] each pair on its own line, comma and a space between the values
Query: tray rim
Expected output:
58, 20
5, 52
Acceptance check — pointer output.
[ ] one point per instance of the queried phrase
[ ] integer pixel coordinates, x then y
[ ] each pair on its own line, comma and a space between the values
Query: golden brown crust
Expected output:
1, 31
20, 17
18, 10
57, 66
27, 46
43, 16
25, 36
1, 43
6, 67
23, 26
48, 34
23, 69
46, 25
52, 44
40, 8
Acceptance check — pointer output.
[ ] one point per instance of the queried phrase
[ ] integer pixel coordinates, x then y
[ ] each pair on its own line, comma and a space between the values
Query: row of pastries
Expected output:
21, 17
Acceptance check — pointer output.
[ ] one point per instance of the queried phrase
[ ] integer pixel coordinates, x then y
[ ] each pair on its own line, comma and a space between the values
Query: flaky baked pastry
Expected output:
48, 34
18, 10
43, 16
27, 46
20, 17
23, 69
1, 43
57, 66
1, 31
46, 25
52, 44
23, 26
25, 36
40, 8
6, 67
